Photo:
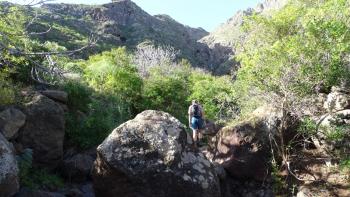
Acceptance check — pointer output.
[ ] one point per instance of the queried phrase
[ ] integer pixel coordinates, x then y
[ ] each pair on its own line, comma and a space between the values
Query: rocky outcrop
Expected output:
123, 23
44, 131
149, 156
11, 120
229, 33
223, 40
338, 99
9, 181
243, 150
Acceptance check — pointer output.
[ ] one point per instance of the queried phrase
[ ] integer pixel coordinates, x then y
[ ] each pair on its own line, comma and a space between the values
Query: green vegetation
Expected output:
298, 47
345, 164
111, 91
7, 92
35, 178
216, 94
283, 57
308, 127
167, 90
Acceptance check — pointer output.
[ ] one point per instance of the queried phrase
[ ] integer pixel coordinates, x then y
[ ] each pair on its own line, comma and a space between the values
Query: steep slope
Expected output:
121, 23
228, 34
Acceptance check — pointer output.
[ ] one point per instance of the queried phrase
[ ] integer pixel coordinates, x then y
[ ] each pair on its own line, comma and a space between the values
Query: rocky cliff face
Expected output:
229, 33
122, 23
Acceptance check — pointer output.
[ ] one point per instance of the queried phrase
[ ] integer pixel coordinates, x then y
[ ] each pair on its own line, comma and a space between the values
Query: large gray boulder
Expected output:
44, 131
11, 120
149, 156
9, 181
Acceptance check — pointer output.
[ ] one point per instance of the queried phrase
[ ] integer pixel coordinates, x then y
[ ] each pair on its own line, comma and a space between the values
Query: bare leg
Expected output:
195, 136
200, 135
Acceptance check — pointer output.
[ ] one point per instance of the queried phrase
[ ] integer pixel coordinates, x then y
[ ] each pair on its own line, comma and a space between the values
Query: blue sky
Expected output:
195, 13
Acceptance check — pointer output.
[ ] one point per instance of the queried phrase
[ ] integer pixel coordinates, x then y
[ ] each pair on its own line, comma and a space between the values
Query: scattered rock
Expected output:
149, 156
9, 181
56, 95
44, 131
11, 120
78, 167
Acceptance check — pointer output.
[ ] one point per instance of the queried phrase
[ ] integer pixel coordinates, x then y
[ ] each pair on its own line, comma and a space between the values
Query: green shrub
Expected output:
112, 73
308, 127
103, 116
345, 164
7, 89
167, 92
336, 132
215, 94
292, 50
78, 95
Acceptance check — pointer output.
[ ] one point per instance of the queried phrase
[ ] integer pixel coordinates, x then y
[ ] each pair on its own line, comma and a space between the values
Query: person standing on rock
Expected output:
196, 120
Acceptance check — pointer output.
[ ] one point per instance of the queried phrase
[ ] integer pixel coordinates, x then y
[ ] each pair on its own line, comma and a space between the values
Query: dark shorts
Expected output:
196, 123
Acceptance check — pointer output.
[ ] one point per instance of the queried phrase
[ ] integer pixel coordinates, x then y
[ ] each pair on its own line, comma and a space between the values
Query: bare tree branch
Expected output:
149, 56
92, 42
41, 33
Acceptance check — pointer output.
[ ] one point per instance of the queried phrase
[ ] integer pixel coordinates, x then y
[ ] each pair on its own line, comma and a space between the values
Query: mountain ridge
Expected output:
124, 23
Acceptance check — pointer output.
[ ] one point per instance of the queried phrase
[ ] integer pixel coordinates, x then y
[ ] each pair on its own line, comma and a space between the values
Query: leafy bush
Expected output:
111, 73
7, 89
308, 127
167, 89
336, 132
288, 53
215, 94
345, 164
78, 95
104, 114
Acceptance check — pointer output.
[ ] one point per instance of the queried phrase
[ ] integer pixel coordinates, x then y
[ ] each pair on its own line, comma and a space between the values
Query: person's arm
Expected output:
203, 114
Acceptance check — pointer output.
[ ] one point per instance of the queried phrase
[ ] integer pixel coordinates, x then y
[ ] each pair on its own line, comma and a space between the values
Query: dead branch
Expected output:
38, 71
149, 56
92, 42
41, 33
295, 176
